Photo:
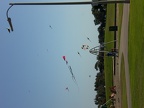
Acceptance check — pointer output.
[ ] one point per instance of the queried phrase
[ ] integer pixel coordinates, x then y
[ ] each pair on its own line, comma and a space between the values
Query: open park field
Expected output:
129, 74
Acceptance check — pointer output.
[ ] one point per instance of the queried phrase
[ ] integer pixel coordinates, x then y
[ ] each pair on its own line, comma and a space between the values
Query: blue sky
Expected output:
32, 71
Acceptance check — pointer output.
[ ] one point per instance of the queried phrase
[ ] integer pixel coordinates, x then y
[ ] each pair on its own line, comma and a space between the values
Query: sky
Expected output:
33, 73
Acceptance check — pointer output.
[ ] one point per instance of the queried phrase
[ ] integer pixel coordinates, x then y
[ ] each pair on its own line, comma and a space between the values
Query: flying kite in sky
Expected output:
71, 71
64, 58
50, 26
79, 53
85, 47
103, 45
8, 30
73, 77
67, 89
89, 39
66, 62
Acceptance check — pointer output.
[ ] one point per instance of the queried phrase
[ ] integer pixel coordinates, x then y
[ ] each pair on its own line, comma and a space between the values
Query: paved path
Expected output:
123, 50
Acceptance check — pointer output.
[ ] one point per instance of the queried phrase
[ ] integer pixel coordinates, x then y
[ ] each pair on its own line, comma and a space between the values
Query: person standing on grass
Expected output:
112, 54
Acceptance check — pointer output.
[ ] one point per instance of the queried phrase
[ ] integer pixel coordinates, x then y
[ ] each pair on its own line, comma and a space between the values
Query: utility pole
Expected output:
73, 3
93, 3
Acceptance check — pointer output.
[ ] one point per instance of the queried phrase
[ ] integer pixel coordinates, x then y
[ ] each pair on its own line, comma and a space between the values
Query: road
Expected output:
123, 49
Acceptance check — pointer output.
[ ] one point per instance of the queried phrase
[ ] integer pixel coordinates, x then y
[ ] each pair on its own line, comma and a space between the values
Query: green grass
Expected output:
119, 19
109, 36
123, 84
136, 52
120, 8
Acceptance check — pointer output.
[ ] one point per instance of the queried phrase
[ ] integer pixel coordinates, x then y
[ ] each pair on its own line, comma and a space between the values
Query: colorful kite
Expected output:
85, 47
64, 58
70, 69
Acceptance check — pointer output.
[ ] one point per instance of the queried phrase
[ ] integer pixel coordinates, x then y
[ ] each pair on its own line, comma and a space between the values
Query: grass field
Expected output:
119, 19
136, 52
123, 84
109, 36
108, 65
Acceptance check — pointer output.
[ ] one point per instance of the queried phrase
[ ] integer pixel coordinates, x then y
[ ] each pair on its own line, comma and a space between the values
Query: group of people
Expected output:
110, 102
113, 53
112, 96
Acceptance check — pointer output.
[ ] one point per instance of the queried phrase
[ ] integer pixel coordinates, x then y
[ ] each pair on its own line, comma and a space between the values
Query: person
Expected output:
113, 89
112, 96
114, 50
112, 54
112, 106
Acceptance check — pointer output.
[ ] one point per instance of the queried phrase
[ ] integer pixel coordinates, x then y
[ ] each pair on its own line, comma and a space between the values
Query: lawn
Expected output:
123, 84
108, 61
136, 52
109, 36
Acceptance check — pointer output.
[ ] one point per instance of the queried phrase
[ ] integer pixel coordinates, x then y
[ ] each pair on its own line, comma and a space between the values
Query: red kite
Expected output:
64, 58
70, 69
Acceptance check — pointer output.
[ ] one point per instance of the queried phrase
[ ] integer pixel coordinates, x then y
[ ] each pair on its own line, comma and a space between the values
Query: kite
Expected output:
103, 45
67, 89
88, 39
71, 71
50, 26
85, 47
64, 58
8, 30
66, 62
73, 77
79, 53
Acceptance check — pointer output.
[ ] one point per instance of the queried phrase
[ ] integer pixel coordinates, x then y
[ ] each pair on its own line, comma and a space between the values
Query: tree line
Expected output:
99, 13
